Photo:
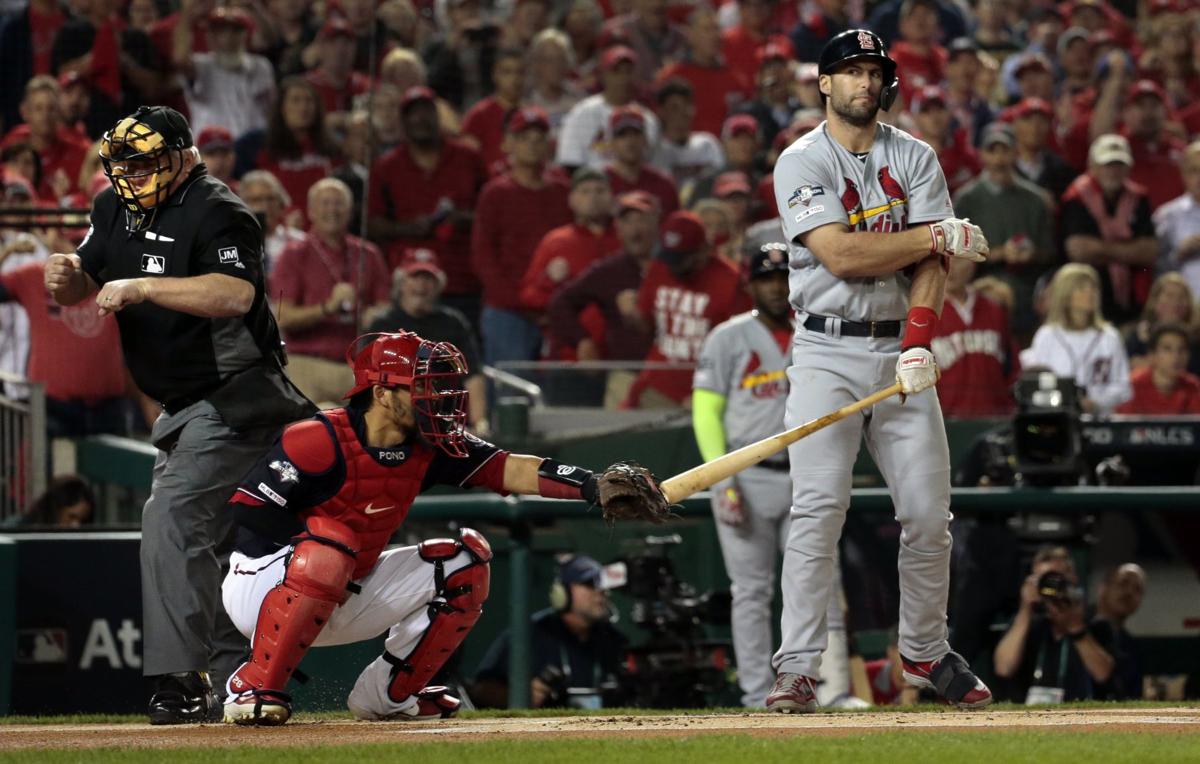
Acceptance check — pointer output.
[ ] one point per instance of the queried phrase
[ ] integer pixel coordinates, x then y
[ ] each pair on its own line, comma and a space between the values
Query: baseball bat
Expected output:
703, 476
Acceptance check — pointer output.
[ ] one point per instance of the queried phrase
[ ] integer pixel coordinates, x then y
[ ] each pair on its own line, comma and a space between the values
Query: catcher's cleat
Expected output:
183, 698
951, 678
793, 694
265, 708
432, 703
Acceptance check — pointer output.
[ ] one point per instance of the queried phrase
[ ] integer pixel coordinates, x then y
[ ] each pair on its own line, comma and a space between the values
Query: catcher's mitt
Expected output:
629, 491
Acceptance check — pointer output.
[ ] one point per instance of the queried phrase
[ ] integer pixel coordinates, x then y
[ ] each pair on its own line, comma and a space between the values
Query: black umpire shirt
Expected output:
177, 358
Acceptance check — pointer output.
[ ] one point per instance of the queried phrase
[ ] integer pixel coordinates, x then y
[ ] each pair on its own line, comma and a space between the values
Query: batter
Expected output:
868, 218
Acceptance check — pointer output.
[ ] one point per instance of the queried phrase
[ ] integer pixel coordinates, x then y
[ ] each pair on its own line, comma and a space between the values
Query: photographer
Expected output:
1048, 653
576, 653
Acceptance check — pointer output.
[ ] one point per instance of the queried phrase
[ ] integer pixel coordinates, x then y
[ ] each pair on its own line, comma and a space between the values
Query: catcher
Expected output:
316, 512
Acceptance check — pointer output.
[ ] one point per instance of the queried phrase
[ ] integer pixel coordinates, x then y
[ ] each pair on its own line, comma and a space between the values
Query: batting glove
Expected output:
958, 238
727, 504
916, 370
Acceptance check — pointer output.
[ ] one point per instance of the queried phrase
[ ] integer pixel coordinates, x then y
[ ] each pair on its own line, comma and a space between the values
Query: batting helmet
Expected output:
432, 372
856, 44
141, 158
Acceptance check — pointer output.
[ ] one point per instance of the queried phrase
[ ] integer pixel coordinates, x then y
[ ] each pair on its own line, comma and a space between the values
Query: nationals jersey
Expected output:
976, 356
895, 185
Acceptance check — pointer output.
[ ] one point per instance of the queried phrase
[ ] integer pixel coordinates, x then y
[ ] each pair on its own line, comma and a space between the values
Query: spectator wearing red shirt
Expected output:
1164, 387
514, 212
917, 53
298, 149
60, 149
959, 160
686, 292
740, 43
629, 169
1157, 154
741, 138
326, 285
610, 286
974, 350
334, 76
566, 251
1035, 77
422, 195
775, 104
717, 87
483, 125
827, 19
651, 35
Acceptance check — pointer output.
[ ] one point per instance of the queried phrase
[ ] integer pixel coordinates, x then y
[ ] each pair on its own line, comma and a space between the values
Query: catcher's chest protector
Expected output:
375, 498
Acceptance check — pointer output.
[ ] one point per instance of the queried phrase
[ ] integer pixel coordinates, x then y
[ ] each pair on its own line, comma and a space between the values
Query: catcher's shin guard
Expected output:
454, 610
289, 621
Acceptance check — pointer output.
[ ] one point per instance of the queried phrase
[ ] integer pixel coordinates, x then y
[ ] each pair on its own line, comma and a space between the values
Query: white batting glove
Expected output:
916, 371
959, 237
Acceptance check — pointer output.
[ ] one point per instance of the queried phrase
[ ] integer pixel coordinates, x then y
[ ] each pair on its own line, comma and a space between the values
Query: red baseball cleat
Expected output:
951, 678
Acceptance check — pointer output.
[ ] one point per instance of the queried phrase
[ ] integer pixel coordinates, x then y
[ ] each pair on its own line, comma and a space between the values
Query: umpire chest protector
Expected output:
374, 498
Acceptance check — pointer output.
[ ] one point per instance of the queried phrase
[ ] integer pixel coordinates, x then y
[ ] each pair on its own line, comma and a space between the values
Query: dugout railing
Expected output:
23, 457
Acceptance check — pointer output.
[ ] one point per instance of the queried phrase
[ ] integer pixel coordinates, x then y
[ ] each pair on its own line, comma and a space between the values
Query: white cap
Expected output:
1110, 148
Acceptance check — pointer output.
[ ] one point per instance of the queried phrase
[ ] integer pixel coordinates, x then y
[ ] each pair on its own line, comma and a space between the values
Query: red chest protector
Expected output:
374, 498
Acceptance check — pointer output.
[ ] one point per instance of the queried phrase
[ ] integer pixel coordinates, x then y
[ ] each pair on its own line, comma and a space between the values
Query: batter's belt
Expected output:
872, 329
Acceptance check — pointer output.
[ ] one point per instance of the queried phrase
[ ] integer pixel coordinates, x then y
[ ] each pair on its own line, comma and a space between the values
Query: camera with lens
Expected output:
1047, 438
677, 666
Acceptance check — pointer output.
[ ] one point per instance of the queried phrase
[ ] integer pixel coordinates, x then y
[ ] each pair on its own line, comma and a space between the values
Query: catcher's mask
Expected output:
432, 372
142, 156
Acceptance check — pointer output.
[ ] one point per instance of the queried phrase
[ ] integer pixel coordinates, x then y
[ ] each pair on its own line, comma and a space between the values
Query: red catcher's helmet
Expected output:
432, 372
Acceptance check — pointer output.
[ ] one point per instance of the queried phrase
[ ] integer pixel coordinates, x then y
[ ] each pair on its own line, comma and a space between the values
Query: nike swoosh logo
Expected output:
370, 510
920, 324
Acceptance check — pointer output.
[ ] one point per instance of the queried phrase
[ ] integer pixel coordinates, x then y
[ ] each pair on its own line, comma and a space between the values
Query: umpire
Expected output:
178, 258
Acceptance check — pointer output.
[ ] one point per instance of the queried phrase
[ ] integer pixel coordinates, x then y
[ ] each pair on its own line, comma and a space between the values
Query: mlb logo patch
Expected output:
227, 255
154, 264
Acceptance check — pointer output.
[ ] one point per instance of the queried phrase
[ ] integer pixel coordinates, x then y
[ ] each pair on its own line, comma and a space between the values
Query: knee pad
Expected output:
455, 608
293, 614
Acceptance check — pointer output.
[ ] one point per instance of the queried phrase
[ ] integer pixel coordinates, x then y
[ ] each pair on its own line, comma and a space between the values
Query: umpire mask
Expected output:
142, 156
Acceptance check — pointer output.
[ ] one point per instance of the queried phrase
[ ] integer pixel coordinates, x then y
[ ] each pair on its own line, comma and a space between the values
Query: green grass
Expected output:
559, 712
1042, 747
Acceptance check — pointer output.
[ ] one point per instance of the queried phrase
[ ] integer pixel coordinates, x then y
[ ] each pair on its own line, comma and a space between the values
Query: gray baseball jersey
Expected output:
818, 182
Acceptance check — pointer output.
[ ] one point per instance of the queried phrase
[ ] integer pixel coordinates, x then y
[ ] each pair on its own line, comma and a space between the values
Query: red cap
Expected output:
416, 94
67, 79
233, 17
1030, 106
626, 118
926, 95
214, 137
683, 233
739, 124
808, 72
638, 201
336, 26
1031, 62
728, 183
1147, 88
776, 49
527, 117
1101, 37
422, 260
617, 54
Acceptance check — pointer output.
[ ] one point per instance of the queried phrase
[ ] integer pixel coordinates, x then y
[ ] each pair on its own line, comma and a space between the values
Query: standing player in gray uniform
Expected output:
868, 217
738, 397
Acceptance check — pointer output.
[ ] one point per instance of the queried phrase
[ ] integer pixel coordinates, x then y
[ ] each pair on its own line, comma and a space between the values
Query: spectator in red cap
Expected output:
1032, 122
734, 191
216, 150
550, 86
1034, 76
483, 125
460, 60
1076, 60
934, 125
1157, 153
686, 292
404, 69
422, 194
1106, 223
919, 57
651, 35
741, 42
629, 169
193, 14
227, 86
826, 20
741, 139
969, 111
298, 150
88, 117
583, 139
775, 103
334, 76
610, 287
325, 285
566, 251
416, 307
717, 87
684, 153
514, 212
60, 149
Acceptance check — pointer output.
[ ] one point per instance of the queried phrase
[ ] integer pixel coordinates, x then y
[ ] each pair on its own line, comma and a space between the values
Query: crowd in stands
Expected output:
576, 179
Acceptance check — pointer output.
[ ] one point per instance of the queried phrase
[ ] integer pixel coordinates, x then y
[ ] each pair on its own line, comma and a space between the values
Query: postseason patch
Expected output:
804, 195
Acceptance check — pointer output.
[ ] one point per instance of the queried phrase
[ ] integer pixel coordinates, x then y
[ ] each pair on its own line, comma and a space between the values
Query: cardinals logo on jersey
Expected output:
852, 203
882, 218
763, 384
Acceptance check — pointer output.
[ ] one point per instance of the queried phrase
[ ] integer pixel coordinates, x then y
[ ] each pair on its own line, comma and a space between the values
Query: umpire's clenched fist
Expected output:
61, 271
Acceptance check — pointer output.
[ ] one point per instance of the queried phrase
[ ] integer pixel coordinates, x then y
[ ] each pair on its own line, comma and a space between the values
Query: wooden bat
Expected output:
698, 478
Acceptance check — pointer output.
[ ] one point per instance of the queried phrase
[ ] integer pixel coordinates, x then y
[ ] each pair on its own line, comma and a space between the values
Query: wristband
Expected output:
564, 481
937, 237
919, 328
